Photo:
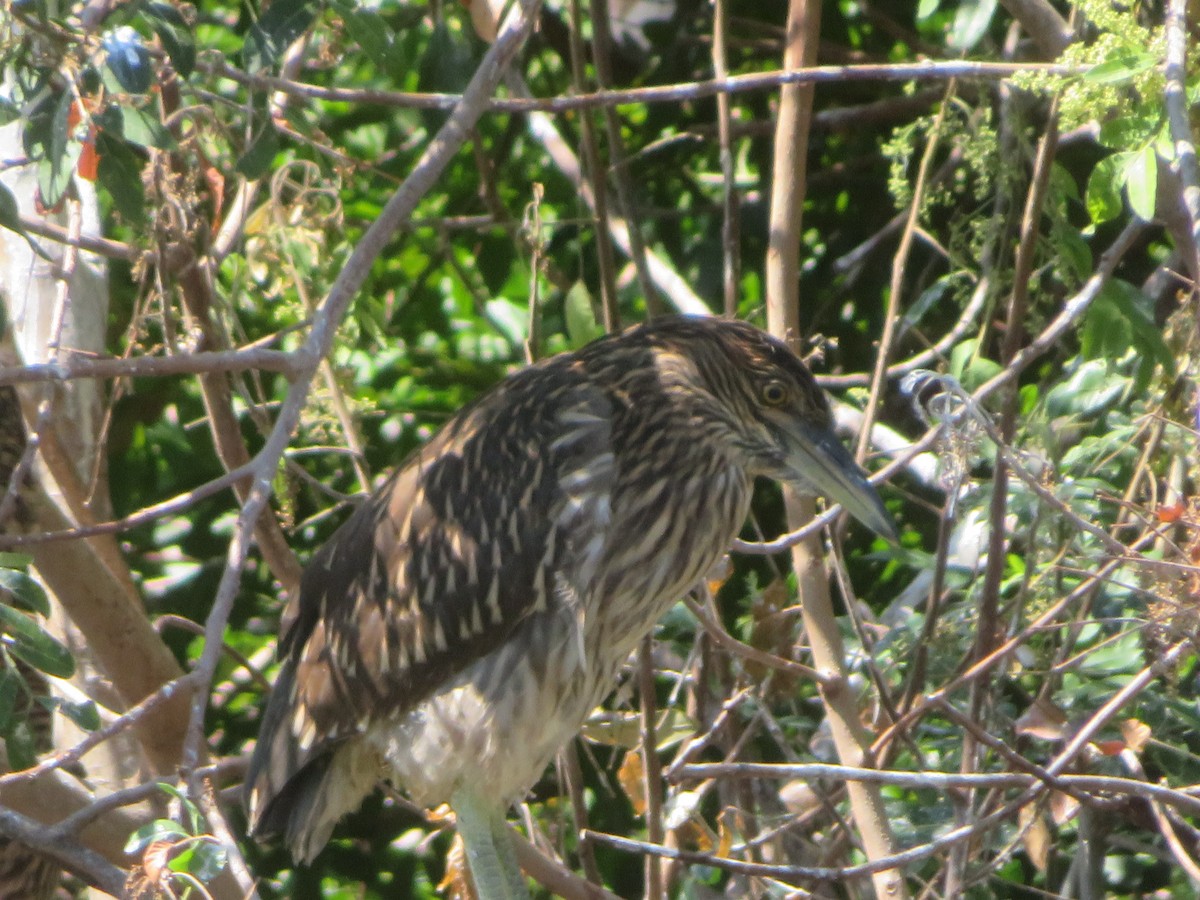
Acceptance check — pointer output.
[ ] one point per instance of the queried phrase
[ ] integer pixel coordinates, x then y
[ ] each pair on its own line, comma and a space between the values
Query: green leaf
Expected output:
1124, 132
141, 127
85, 714
1141, 181
1135, 312
1063, 182
969, 367
1121, 655
28, 642
153, 832
27, 593
509, 319
582, 327
11, 686
176, 36
22, 750
971, 23
60, 154
128, 59
1104, 188
282, 23
1028, 395
9, 111
257, 159
369, 30
10, 212
1122, 66
204, 860
120, 172
1074, 251
1089, 390
928, 300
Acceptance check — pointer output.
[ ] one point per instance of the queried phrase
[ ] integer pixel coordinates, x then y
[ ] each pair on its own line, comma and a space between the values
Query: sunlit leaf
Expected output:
1123, 66
971, 22
128, 59
27, 641
1104, 189
1141, 181
25, 590
176, 36
282, 23
152, 832
21, 747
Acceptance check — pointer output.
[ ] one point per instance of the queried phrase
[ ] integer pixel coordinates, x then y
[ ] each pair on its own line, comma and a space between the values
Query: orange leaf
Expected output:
89, 159
1136, 734
457, 883
1172, 513
632, 776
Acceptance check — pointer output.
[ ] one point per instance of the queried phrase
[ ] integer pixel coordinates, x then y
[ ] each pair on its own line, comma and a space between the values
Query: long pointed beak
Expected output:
821, 464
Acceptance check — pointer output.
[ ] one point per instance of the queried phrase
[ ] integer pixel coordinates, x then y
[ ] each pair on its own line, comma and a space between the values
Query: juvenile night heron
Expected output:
460, 626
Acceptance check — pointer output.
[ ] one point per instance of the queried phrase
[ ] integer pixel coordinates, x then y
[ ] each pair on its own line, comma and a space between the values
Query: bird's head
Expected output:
766, 404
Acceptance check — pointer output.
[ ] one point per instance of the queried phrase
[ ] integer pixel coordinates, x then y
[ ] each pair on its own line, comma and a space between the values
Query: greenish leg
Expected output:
490, 851
517, 885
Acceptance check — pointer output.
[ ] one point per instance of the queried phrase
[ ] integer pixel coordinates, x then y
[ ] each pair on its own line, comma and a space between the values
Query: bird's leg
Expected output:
490, 851
507, 850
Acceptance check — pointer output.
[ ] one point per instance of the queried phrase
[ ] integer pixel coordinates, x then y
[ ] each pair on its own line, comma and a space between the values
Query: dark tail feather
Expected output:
300, 793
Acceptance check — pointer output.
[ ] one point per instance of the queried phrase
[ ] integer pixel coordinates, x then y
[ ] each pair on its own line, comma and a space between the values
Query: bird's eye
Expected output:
774, 393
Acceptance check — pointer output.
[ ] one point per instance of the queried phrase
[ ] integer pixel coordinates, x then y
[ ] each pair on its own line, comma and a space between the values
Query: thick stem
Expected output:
783, 305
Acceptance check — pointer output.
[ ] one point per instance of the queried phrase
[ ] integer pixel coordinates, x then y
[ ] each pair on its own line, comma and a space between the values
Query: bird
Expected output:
461, 624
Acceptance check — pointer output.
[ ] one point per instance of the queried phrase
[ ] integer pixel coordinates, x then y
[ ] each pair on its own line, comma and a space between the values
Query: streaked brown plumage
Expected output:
463, 622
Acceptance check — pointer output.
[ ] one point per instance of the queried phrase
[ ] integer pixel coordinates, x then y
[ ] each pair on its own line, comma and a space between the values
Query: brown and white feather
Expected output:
466, 618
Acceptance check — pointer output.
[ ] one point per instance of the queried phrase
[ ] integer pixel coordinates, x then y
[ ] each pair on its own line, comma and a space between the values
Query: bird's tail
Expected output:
299, 792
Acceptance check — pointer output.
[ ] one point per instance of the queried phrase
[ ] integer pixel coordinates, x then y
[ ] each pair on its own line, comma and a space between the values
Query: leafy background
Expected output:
166, 108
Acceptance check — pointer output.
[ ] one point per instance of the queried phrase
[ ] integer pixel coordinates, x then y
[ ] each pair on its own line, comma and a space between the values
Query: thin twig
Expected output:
932, 70
74, 366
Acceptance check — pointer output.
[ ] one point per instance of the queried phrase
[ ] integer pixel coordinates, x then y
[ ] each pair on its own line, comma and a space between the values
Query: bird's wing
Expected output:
435, 570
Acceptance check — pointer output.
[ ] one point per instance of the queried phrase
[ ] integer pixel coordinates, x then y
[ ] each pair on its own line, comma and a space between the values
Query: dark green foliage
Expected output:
1106, 417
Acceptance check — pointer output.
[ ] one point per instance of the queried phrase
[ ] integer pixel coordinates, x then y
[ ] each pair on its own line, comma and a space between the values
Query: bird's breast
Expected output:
501, 720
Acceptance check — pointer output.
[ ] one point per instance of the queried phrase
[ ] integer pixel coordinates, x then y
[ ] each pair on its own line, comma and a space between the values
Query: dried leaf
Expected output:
156, 859
682, 819
694, 833
729, 824
719, 573
614, 729
632, 777
1136, 733
1036, 836
798, 797
1063, 807
456, 884
673, 727
1042, 720
774, 631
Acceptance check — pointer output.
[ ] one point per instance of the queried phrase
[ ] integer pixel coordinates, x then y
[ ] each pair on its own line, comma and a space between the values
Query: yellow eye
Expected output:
774, 393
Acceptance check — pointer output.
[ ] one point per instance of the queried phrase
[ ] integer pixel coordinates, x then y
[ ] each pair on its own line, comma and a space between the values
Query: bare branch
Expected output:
932, 70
